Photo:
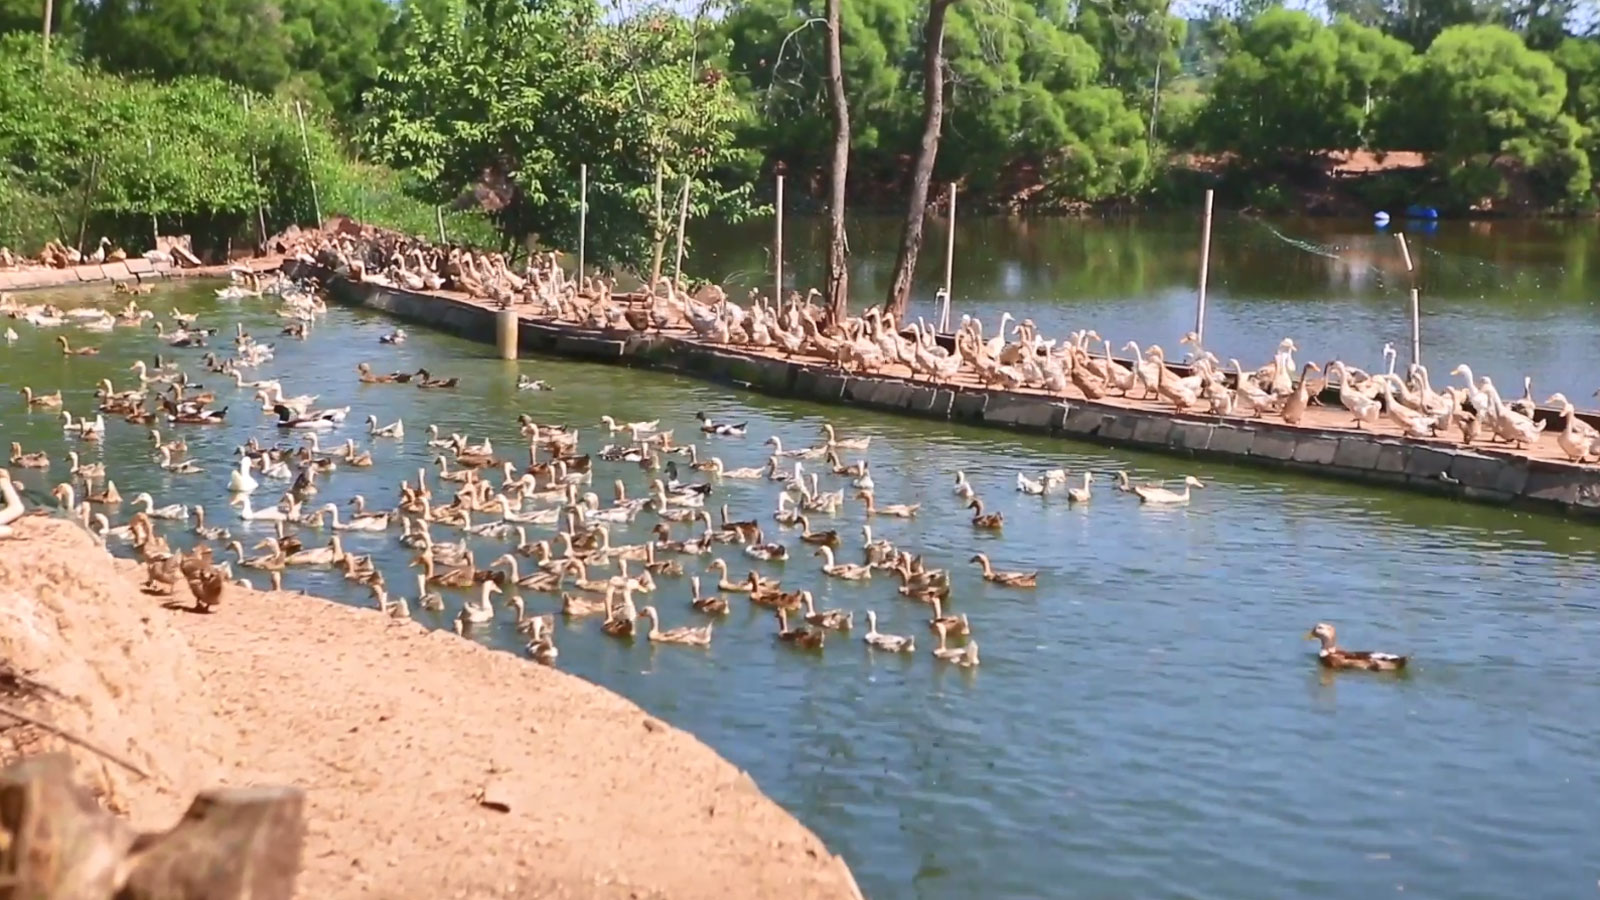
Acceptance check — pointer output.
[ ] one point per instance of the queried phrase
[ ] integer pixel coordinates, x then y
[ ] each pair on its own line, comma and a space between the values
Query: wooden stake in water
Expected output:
683, 221
949, 263
583, 215
1205, 271
305, 144
777, 248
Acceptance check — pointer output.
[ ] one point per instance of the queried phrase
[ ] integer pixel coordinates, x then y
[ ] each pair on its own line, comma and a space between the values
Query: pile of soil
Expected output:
433, 766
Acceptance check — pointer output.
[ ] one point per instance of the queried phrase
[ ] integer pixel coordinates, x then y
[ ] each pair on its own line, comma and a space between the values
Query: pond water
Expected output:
1146, 723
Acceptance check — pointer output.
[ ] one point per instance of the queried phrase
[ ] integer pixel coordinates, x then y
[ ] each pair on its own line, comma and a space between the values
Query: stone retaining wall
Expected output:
1486, 475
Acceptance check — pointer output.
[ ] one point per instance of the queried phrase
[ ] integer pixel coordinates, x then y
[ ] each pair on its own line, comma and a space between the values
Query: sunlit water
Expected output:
1147, 723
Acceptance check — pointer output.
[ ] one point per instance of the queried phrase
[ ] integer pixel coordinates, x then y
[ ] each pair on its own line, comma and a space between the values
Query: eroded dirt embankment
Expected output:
393, 730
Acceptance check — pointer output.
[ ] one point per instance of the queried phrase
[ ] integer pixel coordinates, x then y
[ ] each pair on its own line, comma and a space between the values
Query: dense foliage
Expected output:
507, 101
494, 104
85, 151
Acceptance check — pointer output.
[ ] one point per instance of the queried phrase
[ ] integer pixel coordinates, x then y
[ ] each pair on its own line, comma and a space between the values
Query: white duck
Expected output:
241, 482
171, 511
249, 513
397, 430
1160, 496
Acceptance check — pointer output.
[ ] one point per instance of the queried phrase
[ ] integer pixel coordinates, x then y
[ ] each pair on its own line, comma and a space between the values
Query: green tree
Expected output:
1479, 99
1134, 39
1293, 86
1579, 59
241, 41
335, 49
325, 51
504, 101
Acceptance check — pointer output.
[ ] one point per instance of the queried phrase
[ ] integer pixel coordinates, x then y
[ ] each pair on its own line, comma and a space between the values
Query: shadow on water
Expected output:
1147, 722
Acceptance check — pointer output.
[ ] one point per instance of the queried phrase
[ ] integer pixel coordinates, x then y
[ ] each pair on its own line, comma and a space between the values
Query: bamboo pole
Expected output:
49, 14
255, 180
949, 263
683, 221
777, 248
305, 144
583, 215
1205, 272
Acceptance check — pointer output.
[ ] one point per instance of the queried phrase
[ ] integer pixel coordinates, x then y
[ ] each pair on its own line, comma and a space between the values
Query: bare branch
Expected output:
777, 63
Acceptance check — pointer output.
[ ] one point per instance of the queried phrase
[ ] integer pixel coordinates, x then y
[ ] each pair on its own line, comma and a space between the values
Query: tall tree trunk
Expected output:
838, 282
905, 263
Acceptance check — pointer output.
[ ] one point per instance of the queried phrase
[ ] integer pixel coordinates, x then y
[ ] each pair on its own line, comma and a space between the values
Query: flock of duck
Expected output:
478, 492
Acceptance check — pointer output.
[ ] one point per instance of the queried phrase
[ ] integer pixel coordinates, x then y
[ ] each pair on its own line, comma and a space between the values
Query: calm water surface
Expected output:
1147, 723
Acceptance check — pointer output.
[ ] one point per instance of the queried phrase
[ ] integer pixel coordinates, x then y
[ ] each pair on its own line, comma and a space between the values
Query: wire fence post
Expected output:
949, 264
255, 178
155, 227
1416, 302
305, 144
777, 248
583, 215
1205, 272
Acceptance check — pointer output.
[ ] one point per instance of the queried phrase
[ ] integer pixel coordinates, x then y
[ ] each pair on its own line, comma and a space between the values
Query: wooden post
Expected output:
438, 214
583, 215
949, 263
255, 180
49, 13
1205, 271
683, 221
305, 144
777, 248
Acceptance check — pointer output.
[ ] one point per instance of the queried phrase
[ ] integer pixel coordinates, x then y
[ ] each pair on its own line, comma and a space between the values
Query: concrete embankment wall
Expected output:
1492, 476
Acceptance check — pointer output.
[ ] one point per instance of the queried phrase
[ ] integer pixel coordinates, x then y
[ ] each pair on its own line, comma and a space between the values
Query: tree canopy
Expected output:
1045, 101
505, 101
1294, 85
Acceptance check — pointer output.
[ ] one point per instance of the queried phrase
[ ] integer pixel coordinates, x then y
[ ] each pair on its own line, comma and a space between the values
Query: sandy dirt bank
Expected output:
394, 731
